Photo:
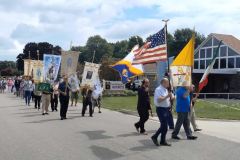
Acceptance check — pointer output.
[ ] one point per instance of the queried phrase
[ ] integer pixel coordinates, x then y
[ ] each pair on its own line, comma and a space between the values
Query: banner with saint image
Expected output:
38, 72
69, 62
51, 65
90, 74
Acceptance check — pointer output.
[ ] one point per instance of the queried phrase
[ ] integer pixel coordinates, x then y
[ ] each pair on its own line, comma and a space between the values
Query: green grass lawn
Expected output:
204, 109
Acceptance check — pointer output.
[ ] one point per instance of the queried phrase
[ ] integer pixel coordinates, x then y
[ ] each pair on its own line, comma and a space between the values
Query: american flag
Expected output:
155, 49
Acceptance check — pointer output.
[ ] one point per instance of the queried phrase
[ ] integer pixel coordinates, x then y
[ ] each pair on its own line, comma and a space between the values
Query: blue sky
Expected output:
61, 21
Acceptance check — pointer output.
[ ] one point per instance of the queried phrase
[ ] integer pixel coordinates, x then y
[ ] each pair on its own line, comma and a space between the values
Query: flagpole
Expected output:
165, 28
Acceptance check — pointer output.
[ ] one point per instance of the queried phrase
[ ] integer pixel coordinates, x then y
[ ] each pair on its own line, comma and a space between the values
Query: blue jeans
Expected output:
170, 120
27, 97
163, 115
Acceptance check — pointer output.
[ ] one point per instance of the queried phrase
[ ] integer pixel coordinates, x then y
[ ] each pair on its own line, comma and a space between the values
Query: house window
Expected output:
215, 42
214, 52
238, 62
215, 66
196, 56
223, 63
202, 53
208, 43
202, 64
230, 62
207, 62
209, 53
223, 51
196, 64
231, 52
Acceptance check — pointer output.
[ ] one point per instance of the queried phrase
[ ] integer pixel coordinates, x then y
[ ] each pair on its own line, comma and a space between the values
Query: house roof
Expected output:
229, 40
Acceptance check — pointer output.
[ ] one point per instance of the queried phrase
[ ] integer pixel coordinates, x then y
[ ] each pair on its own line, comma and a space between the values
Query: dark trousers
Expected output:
64, 101
182, 119
144, 115
37, 101
54, 102
85, 104
163, 116
27, 97
170, 120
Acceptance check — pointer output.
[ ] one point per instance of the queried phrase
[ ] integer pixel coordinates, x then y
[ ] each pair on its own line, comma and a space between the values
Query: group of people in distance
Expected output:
60, 91
163, 101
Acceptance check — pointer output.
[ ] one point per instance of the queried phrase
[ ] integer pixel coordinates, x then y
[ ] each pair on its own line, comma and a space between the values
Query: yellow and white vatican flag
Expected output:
38, 71
181, 68
69, 62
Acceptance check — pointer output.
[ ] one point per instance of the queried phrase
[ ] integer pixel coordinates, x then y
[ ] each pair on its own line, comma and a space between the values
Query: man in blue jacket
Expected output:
183, 104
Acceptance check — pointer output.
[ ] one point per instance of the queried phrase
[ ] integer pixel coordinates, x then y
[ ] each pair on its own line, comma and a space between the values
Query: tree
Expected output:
95, 45
182, 36
120, 49
134, 40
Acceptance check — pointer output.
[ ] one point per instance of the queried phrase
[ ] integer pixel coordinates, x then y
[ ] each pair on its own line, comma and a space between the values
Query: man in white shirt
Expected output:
162, 102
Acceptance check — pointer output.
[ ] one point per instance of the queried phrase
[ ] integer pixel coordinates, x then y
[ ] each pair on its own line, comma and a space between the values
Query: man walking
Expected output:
192, 115
183, 108
162, 102
64, 97
54, 97
143, 106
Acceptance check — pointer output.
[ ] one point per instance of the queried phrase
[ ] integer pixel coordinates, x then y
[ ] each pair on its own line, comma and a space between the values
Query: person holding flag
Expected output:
181, 73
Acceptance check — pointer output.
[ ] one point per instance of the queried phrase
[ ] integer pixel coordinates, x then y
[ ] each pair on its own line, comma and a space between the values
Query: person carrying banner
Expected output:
143, 106
87, 95
46, 98
64, 98
54, 97
192, 115
183, 104
162, 101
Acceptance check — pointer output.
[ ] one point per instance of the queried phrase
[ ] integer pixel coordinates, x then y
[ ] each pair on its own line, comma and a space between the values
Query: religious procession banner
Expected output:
28, 67
38, 72
90, 74
69, 62
43, 87
51, 65
181, 68
74, 83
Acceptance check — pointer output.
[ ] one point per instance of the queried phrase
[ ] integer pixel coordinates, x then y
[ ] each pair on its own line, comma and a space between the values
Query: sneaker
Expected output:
192, 137
43, 114
197, 130
165, 144
137, 128
176, 137
155, 141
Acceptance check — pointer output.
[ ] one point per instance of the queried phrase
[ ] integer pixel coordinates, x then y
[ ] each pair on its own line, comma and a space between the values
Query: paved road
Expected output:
27, 135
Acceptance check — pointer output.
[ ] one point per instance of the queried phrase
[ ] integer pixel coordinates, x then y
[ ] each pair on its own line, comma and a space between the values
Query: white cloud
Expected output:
62, 21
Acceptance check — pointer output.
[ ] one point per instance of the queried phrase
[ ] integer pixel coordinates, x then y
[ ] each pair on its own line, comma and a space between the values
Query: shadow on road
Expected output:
96, 135
105, 153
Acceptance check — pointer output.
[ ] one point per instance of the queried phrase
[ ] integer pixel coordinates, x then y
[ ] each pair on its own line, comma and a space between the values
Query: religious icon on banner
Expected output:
180, 75
69, 62
51, 65
90, 74
38, 72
